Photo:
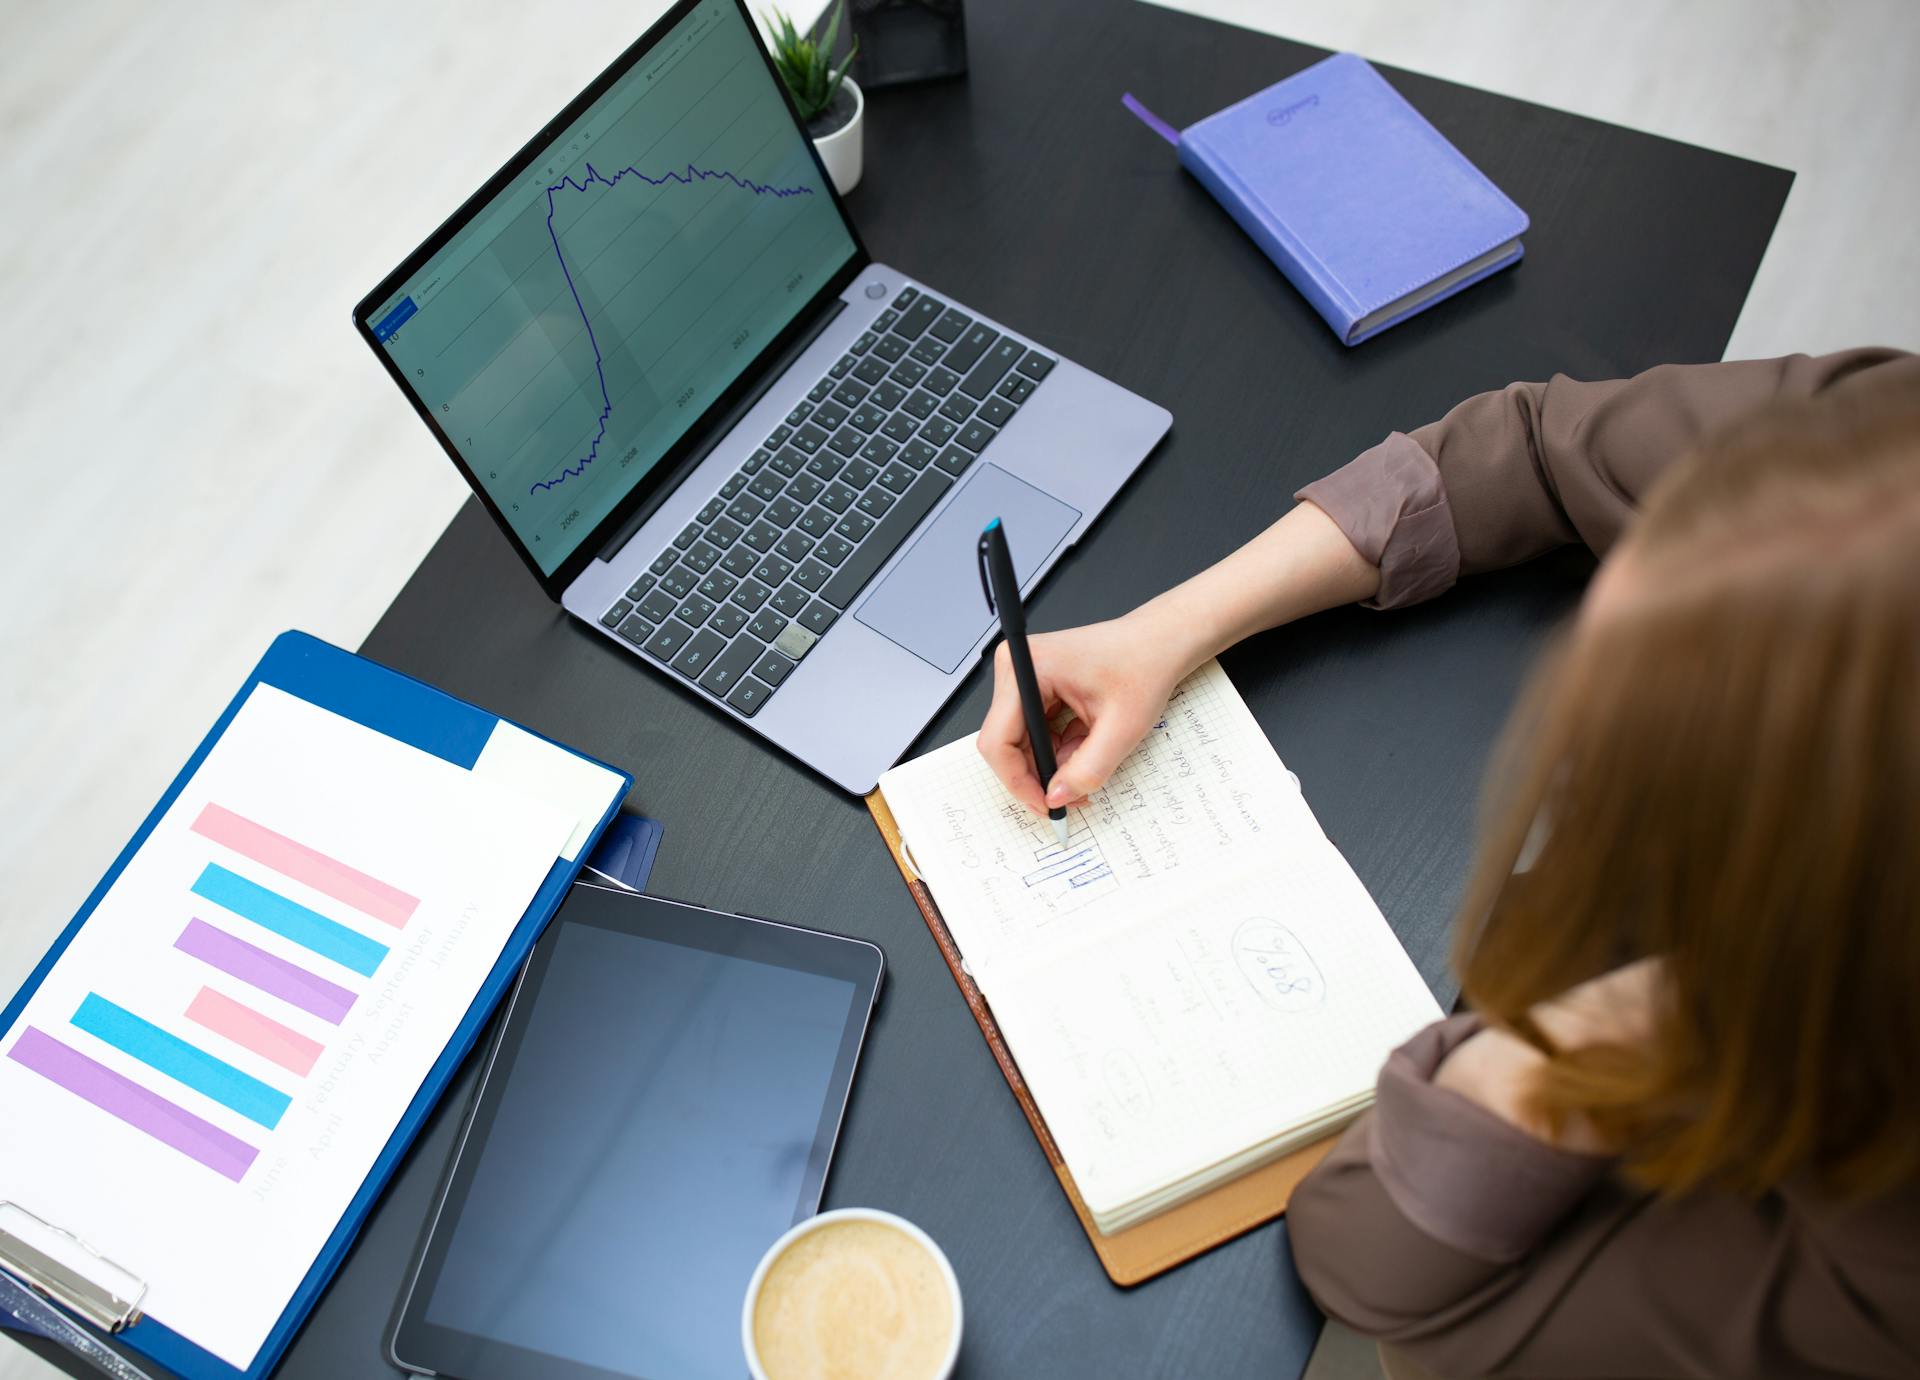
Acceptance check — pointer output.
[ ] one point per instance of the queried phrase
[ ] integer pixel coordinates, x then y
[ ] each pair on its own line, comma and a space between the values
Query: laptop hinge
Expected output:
718, 432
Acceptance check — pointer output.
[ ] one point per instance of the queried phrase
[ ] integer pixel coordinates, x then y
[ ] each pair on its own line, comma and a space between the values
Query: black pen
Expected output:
997, 582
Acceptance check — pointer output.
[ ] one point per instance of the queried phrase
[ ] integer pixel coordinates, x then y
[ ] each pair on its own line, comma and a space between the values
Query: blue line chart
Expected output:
688, 178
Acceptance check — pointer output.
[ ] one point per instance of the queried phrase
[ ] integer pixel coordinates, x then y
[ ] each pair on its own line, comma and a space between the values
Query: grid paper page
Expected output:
1201, 796
1230, 1017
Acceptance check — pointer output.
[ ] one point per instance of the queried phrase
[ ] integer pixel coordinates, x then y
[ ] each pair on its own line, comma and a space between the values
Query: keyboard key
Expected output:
830, 415
826, 464
996, 411
808, 438
778, 437
870, 370
937, 431
975, 435
783, 510
804, 488
989, 370
891, 349
957, 408
657, 605
717, 586
748, 696
766, 484
688, 536
751, 595
884, 321
698, 654
728, 619
870, 555
667, 641
761, 536
701, 556
636, 630
772, 668
788, 600
896, 477
811, 574
794, 546
843, 365
942, 381
850, 393
838, 498
789, 462
1015, 387
740, 560
643, 584
920, 404
693, 611
918, 454
612, 617
815, 522
833, 549
679, 582
800, 413
846, 440
772, 571
907, 297
975, 341
875, 502
796, 641
745, 509
1035, 366
817, 617
864, 343
728, 667
858, 474
715, 507
663, 562
886, 396
928, 351
724, 532
734, 485
821, 389
908, 372
853, 527
899, 427
954, 460
867, 417
917, 317
767, 624
951, 323
879, 450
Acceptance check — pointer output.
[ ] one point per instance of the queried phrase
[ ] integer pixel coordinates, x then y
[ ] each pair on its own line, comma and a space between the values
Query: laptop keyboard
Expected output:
763, 570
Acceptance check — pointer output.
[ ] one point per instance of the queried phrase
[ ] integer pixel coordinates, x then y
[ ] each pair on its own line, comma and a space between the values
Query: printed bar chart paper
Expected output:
205, 1077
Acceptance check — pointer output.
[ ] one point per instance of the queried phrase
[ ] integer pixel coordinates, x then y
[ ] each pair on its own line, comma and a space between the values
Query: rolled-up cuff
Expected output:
1462, 1175
1391, 504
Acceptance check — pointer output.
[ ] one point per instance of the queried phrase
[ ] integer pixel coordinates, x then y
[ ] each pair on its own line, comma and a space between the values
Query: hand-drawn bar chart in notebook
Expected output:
278, 990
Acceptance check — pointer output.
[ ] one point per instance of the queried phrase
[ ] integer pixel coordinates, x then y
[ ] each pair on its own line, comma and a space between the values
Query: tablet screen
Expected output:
660, 1108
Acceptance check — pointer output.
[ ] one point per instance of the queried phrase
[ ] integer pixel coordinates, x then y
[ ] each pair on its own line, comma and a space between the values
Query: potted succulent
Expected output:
827, 99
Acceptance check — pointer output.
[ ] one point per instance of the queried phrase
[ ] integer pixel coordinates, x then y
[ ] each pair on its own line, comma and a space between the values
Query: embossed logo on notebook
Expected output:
1281, 115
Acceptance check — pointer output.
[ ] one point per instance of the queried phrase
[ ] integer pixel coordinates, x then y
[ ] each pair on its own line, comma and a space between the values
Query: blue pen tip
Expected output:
991, 525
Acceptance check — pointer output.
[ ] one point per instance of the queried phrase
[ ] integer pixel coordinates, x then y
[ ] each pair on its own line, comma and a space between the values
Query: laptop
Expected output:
717, 431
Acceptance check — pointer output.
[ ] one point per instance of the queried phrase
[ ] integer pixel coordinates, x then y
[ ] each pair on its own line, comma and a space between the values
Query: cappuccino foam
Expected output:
853, 1300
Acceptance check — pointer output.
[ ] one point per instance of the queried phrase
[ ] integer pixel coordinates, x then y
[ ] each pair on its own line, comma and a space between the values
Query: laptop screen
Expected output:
582, 319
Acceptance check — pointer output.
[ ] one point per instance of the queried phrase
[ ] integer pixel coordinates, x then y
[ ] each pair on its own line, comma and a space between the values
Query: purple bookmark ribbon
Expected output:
1150, 120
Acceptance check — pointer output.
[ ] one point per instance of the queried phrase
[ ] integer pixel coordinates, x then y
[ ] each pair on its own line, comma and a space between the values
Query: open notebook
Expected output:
1197, 984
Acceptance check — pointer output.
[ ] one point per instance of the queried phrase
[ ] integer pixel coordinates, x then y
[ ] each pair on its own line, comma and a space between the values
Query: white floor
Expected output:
197, 453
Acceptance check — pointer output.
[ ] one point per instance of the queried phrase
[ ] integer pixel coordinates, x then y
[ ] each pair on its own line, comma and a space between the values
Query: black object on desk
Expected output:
1029, 191
1003, 597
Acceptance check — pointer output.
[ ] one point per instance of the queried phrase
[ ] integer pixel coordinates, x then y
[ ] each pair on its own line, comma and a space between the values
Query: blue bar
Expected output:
189, 1064
394, 319
290, 920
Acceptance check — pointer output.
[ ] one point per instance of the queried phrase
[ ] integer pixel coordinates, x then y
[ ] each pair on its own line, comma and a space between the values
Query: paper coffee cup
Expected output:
824, 1220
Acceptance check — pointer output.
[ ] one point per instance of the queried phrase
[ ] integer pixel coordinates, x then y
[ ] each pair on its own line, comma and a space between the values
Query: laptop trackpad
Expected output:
932, 603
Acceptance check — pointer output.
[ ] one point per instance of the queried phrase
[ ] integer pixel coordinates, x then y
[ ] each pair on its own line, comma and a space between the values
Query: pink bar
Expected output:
248, 1028
303, 864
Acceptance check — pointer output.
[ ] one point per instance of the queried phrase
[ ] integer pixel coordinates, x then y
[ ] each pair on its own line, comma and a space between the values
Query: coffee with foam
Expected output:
853, 1300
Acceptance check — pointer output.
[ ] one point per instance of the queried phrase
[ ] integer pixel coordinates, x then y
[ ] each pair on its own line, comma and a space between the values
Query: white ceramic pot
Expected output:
813, 1224
840, 150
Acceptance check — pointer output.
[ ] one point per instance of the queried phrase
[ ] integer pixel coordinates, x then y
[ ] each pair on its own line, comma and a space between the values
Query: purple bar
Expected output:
140, 1108
1150, 120
271, 974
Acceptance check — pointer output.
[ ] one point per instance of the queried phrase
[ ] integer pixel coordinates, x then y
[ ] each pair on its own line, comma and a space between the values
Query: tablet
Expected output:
659, 1105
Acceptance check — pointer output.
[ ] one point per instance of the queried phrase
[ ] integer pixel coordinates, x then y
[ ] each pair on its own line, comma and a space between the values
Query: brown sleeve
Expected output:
1509, 475
1475, 1249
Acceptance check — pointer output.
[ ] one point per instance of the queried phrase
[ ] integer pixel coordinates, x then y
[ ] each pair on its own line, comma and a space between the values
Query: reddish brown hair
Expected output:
1724, 770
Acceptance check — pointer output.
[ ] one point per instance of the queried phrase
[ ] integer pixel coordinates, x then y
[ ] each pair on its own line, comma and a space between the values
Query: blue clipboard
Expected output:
433, 721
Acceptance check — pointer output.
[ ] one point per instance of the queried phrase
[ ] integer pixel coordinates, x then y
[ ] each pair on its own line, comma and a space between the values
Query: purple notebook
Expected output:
1365, 207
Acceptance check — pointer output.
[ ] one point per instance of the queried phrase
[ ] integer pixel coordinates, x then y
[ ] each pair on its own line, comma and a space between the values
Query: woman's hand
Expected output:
1115, 677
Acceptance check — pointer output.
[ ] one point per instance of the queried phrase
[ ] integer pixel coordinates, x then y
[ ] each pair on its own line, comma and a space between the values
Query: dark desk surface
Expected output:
1028, 194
